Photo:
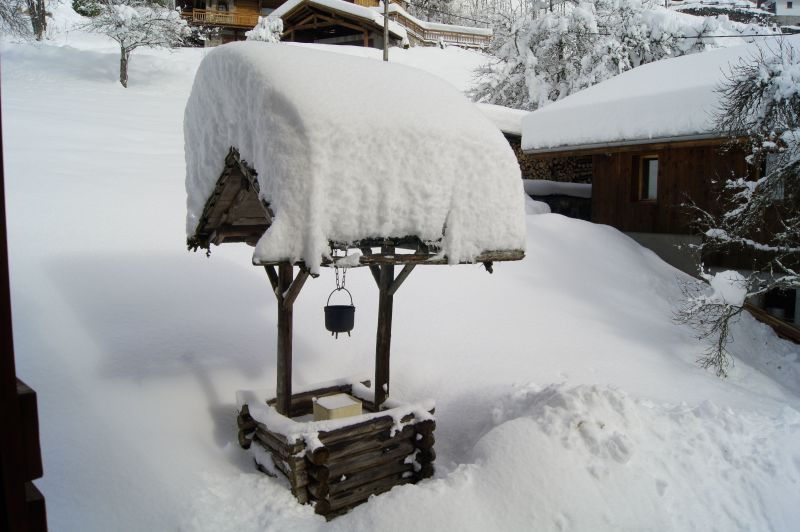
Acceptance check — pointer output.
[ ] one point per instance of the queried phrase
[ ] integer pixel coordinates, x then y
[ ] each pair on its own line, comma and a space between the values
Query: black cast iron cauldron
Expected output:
340, 318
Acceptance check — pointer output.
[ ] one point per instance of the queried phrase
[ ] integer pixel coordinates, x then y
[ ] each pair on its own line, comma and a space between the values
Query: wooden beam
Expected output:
273, 279
383, 342
284, 363
601, 150
376, 274
424, 258
400, 278
294, 290
374, 270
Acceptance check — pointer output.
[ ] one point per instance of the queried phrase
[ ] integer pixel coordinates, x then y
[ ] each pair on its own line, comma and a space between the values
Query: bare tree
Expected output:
760, 101
136, 23
13, 20
38, 14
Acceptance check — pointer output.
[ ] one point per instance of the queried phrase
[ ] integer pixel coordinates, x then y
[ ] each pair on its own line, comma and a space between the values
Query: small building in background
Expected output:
654, 150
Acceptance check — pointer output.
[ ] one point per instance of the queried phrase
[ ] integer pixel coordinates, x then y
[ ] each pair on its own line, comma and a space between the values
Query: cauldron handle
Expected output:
336, 290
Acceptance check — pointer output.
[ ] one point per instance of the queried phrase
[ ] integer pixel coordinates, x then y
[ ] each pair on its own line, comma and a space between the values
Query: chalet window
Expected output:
648, 178
788, 5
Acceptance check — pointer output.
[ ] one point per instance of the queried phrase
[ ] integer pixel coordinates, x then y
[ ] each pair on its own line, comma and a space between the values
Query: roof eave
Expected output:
617, 145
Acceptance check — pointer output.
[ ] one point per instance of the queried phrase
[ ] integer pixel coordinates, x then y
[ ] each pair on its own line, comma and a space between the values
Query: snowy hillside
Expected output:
566, 397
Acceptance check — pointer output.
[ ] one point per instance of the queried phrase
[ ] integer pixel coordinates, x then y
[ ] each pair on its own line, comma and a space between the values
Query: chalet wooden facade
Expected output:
350, 22
644, 190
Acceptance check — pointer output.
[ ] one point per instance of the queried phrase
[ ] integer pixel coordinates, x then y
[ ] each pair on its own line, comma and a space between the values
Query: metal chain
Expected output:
339, 286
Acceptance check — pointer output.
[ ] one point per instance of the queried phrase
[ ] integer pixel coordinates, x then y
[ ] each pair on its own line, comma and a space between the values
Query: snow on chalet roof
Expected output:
507, 120
433, 26
671, 99
348, 148
341, 6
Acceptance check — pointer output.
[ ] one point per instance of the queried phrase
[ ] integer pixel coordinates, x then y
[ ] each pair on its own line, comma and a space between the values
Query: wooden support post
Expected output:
404, 273
284, 384
383, 343
273, 278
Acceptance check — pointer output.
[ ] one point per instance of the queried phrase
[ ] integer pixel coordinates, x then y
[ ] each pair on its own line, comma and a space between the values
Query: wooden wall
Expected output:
684, 172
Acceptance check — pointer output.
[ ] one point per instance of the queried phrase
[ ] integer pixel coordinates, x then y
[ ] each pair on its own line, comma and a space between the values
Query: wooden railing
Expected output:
221, 18
782, 328
433, 36
366, 3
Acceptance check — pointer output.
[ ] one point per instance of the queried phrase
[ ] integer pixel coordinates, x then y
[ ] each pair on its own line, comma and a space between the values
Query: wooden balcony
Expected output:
221, 18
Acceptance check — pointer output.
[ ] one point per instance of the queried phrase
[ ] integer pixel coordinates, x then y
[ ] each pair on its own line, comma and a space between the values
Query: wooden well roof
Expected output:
235, 213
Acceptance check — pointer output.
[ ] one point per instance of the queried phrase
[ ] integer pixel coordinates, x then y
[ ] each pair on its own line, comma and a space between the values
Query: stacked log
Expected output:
353, 463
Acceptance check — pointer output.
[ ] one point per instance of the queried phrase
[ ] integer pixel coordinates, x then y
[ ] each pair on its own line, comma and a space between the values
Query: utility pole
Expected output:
385, 30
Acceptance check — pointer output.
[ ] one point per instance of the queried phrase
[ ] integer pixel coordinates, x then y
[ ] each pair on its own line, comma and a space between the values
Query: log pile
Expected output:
354, 462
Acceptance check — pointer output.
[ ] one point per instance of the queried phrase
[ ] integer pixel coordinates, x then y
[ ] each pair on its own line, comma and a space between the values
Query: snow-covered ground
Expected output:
566, 397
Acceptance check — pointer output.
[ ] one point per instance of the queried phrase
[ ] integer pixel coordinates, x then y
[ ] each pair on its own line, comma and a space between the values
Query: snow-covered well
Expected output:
347, 148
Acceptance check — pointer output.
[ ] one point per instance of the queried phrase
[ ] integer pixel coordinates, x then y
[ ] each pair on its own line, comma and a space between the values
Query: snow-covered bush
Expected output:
761, 216
540, 58
268, 29
136, 23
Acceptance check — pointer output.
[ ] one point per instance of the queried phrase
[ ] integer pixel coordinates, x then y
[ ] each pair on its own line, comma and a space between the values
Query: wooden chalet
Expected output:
650, 137
333, 464
349, 22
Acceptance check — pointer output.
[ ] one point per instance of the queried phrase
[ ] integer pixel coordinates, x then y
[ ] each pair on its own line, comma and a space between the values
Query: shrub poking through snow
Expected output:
135, 23
760, 101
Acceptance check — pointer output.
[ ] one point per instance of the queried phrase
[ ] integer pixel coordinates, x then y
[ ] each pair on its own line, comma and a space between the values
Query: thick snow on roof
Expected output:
507, 120
348, 148
345, 7
662, 100
433, 26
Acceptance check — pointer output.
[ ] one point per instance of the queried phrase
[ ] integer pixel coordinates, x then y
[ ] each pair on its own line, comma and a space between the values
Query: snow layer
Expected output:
434, 26
508, 120
545, 187
566, 397
669, 98
342, 152
729, 287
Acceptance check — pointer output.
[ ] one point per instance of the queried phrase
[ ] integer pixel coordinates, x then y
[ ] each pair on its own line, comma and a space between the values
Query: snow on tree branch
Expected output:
268, 29
13, 20
760, 107
543, 57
